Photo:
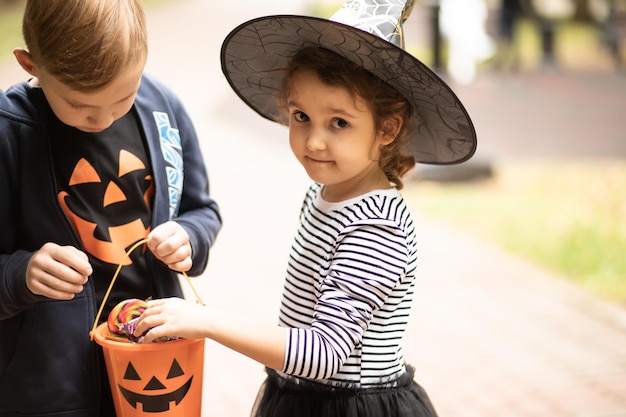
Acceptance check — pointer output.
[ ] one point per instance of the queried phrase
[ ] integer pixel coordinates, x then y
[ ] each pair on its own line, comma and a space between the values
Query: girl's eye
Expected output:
76, 106
300, 117
339, 124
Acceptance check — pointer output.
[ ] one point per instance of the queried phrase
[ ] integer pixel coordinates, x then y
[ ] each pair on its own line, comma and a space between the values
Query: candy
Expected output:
124, 315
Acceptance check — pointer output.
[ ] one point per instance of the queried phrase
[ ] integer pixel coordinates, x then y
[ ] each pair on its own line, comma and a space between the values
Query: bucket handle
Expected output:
119, 267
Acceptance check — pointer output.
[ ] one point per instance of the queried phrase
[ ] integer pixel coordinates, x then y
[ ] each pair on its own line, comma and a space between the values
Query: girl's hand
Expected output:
57, 272
175, 317
169, 242
172, 317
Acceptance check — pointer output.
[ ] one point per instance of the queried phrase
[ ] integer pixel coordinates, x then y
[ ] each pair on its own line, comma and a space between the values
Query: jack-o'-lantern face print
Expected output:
155, 393
103, 209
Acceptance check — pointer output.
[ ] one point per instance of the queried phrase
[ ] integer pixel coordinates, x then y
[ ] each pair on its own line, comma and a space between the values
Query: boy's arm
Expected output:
199, 212
54, 272
14, 295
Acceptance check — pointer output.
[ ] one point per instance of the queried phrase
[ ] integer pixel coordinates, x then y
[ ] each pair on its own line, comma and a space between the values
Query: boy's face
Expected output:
91, 111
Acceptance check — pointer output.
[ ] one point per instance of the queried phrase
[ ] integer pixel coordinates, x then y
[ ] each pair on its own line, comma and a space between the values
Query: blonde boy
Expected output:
94, 156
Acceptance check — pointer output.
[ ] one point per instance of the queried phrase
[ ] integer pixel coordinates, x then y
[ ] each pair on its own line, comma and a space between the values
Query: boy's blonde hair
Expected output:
85, 44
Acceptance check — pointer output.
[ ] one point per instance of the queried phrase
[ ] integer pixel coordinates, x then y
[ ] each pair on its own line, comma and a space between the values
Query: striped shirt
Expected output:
349, 289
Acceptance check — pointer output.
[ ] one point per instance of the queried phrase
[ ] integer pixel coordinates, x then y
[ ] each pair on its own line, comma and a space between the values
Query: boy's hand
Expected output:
169, 242
57, 272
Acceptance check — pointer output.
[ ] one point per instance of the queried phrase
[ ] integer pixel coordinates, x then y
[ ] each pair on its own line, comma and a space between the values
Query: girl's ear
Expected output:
25, 60
390, 129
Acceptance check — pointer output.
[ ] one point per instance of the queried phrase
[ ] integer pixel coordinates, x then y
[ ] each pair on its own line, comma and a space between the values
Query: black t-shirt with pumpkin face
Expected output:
105, 187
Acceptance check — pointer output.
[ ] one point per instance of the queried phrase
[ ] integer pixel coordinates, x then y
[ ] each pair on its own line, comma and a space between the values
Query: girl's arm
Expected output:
174, 316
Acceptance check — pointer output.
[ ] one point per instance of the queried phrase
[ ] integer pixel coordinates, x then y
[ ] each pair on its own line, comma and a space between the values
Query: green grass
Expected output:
569, 218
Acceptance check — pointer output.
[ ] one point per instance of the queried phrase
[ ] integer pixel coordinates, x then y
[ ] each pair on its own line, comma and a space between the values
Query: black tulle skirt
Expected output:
290, 397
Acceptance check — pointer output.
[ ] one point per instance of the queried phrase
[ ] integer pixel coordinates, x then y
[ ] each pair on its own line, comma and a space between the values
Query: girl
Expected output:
350, 277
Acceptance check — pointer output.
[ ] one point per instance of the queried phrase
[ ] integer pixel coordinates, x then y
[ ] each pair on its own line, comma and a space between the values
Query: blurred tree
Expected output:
612, 29
582, 11
10, 3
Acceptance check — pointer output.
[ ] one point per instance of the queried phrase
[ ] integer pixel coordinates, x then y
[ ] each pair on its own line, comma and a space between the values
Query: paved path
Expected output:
491, 335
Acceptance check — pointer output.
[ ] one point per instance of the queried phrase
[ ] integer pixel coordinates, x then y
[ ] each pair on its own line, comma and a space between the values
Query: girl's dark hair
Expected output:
383, 100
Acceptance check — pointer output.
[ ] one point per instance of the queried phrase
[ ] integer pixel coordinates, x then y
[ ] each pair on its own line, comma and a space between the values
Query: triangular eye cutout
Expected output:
175, 370
129, 163
113, 194
131, 373
84, 173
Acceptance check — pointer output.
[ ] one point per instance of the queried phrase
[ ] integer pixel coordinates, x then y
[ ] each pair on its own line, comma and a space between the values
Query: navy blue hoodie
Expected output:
41, 371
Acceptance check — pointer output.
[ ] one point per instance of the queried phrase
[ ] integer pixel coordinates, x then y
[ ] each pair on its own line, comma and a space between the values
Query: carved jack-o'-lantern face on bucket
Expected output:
107, 237
154, 379
155, 393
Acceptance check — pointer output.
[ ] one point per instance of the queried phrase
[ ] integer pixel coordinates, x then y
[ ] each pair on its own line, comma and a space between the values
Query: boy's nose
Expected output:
100, 121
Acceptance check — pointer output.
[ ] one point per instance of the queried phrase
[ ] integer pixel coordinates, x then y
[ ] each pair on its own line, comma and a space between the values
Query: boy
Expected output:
94, 156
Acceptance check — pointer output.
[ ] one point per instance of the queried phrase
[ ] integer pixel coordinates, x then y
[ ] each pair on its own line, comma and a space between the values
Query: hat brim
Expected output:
255, 53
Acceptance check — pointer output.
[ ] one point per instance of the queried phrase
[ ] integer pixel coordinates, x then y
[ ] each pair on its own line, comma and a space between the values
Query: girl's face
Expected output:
333, 136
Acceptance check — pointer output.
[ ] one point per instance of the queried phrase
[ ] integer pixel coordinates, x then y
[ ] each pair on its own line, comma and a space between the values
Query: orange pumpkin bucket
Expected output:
152, 379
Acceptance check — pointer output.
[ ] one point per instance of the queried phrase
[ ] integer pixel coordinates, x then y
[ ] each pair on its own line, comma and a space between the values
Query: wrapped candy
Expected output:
123, 317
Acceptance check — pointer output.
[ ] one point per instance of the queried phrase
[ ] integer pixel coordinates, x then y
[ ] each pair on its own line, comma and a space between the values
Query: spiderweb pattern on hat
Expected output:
255, 54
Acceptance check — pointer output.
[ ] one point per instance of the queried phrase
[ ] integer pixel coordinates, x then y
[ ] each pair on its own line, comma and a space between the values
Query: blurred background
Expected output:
521, 310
